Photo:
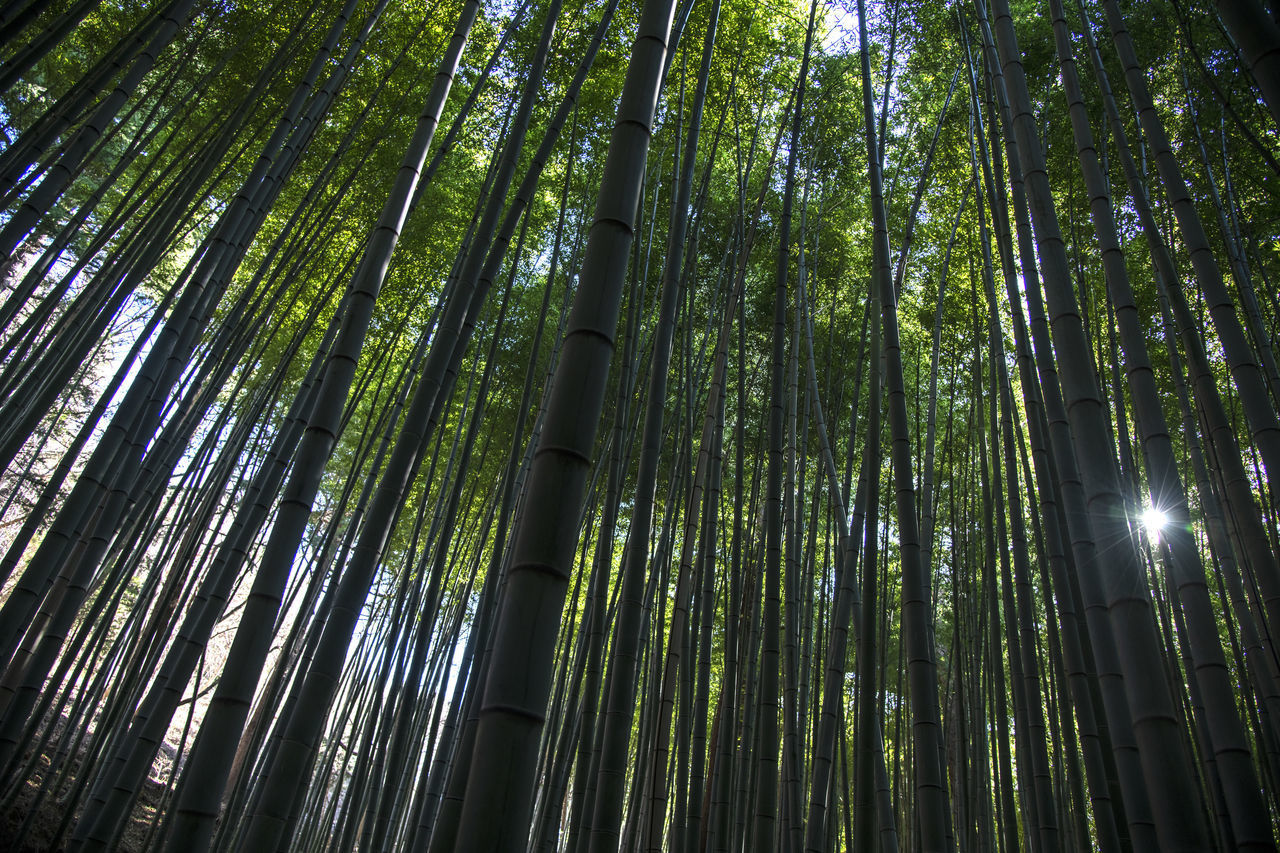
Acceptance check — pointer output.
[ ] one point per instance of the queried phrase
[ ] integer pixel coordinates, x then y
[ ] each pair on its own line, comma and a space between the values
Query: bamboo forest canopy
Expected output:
601, 425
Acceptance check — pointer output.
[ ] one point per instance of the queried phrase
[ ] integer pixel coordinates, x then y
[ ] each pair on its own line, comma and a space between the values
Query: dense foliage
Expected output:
639, 425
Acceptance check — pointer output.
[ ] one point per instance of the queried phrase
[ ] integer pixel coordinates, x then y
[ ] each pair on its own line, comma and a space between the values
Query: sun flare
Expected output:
1154, 520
